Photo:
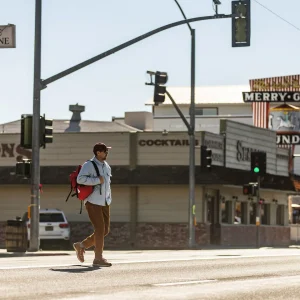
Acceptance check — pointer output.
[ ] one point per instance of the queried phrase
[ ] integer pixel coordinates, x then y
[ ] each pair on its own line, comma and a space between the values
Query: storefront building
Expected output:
150, 185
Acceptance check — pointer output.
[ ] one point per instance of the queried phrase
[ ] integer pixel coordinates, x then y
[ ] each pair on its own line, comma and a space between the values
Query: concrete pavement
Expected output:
220, 274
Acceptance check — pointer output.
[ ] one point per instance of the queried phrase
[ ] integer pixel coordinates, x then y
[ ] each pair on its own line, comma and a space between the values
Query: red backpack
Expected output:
81, 191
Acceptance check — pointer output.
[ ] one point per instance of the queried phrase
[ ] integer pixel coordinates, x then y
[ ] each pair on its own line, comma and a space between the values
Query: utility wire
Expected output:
276, 15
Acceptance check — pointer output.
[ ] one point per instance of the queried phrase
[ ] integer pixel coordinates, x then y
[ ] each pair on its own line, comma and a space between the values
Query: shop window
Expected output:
244, 207
252, 212
213, 210
207, 111
209, 210
296, 215
240, 216
280, 215
225, 211
265, 211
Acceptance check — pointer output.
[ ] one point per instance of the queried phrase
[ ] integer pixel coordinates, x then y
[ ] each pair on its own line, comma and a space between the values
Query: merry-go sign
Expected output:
271, 97
274, 89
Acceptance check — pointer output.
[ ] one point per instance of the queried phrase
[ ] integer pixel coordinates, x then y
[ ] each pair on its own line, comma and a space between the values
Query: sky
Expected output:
74, 31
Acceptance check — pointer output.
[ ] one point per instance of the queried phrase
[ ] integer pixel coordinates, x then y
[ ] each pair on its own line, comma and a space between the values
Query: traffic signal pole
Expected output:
191, 132
258, 217
35, 179
96, 58
192, 208
40, 84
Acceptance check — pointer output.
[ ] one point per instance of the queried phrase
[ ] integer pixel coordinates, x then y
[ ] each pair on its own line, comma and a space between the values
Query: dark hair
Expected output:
100, 147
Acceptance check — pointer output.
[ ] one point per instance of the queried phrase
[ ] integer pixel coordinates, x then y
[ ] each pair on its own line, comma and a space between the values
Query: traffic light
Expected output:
246, 189
241, 25
161, 78
250, 189
206, 157
23, 168
26, 131
259, 163
46, 131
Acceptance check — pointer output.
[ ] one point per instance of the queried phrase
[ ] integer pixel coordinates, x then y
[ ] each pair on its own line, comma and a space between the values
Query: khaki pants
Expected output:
100, 219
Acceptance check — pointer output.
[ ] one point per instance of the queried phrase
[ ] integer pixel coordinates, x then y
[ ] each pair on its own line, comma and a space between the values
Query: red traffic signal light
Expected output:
246, 190
250, 189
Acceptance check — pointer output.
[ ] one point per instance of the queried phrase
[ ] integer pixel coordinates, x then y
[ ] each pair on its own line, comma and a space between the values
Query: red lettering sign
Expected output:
11, 150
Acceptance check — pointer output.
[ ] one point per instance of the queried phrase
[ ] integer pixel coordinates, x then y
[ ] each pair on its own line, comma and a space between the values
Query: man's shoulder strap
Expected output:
95, 166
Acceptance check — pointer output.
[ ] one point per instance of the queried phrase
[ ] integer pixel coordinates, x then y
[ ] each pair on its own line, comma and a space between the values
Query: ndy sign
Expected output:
288, 139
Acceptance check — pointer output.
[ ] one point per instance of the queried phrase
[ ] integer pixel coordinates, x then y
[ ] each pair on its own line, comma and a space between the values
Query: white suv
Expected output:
53, 225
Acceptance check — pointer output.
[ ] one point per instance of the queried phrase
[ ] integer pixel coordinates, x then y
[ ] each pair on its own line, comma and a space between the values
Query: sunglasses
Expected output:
104, 151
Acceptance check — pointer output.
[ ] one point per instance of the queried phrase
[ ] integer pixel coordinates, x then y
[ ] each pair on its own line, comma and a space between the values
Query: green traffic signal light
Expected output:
256, 170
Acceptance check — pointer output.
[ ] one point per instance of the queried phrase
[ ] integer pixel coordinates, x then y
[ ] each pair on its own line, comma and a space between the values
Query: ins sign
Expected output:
11, 150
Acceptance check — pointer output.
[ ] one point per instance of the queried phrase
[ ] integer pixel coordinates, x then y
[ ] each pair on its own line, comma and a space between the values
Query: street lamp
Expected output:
216, 3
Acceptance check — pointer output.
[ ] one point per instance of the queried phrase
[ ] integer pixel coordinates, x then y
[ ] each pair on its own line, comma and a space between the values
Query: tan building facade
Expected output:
150, 188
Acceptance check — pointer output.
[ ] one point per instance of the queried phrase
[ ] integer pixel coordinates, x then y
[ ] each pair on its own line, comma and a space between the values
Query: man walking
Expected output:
97, 204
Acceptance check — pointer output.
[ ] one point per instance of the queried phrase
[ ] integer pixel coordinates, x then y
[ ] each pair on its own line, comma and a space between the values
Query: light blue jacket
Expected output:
88, 176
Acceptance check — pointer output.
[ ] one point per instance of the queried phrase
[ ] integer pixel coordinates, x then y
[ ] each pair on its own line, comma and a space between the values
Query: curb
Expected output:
26, 254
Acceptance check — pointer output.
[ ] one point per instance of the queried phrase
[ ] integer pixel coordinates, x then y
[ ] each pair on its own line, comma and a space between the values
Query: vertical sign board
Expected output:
215, 142
7, 36
282, 162
242, 139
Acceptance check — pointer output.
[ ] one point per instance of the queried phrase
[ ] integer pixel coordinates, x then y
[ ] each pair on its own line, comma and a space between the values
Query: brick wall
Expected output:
269, 236
117, 238
169, 236
2, 235
175, 236
148, 236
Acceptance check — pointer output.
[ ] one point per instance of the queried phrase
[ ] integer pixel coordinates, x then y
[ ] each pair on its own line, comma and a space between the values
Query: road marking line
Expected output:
184, 282
152, 260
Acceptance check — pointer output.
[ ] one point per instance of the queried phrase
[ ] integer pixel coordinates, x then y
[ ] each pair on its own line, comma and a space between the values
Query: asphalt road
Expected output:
216, 274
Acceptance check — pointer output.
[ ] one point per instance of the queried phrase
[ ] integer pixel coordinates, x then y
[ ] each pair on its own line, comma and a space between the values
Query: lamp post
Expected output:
191, 138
